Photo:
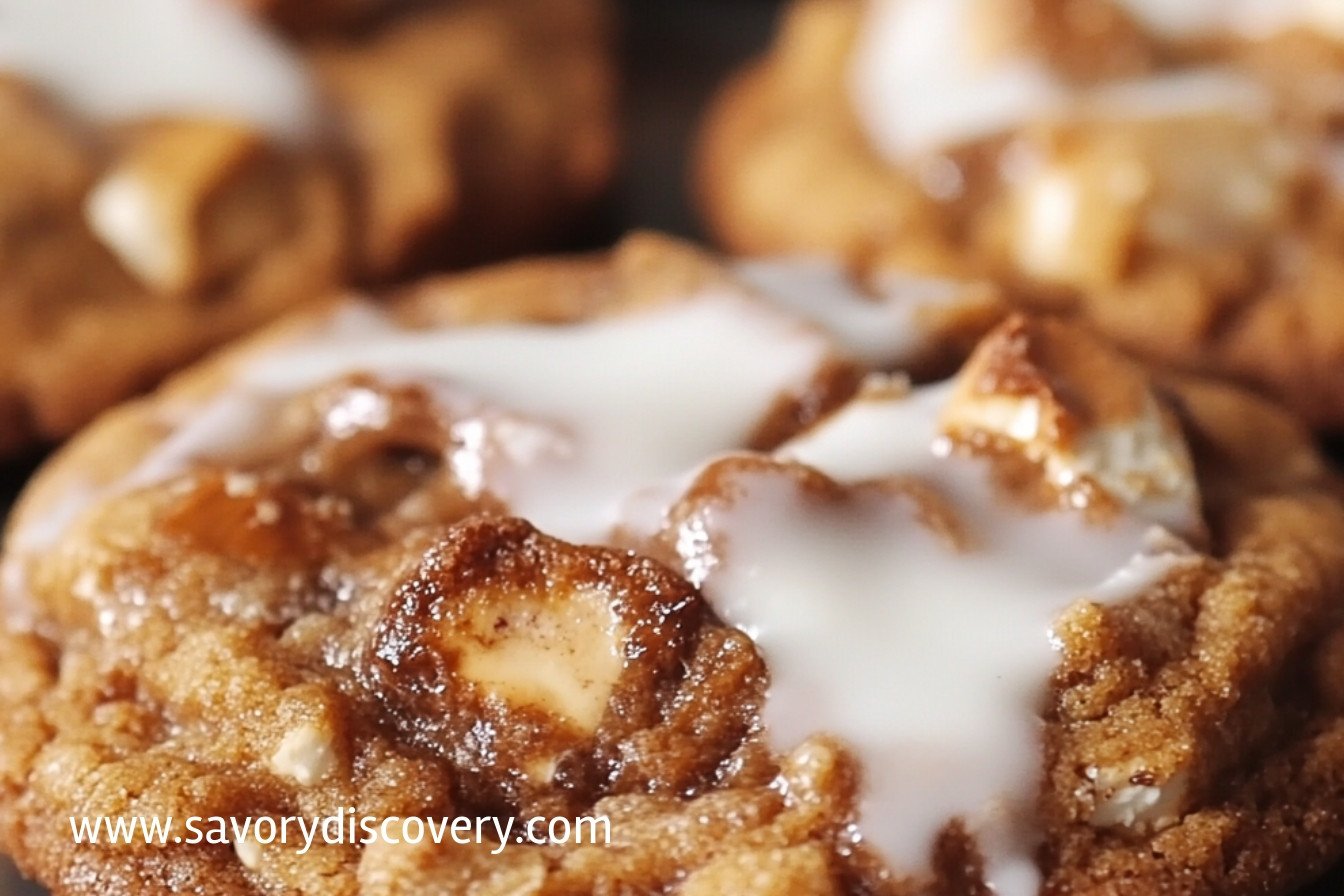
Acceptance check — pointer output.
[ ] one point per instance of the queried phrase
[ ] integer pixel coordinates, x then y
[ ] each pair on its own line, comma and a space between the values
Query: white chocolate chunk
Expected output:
1084, 413
562, 655
249, 852
306, 755
161, 206
121, 212
1143, 808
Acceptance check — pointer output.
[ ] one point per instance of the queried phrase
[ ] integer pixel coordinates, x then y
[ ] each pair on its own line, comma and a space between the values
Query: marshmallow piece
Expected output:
1062, 399
185, 202
306, 754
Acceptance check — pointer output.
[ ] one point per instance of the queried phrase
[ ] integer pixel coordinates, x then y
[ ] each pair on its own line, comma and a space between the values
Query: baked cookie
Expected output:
175, 172
635, 538
1171, 171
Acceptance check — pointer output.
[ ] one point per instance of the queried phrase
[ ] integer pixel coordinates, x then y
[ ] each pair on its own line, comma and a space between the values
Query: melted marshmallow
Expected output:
882, 329
134, 59
921, 84
931, 663
560, 422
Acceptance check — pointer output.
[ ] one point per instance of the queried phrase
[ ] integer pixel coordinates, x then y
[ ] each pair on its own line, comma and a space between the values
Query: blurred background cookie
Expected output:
1169, 171
174, 172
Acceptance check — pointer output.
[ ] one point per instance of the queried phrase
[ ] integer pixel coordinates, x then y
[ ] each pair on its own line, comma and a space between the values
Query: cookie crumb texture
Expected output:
326, 620
1175, 181
439, 134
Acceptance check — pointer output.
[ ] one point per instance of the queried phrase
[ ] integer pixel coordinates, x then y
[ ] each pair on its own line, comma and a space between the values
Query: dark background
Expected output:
675, 53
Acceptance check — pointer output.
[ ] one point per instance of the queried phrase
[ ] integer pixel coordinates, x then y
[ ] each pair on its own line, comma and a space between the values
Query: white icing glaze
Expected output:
920, 84
360, 338
560, 422
1252, 19
930, 662
883, 329
135, 59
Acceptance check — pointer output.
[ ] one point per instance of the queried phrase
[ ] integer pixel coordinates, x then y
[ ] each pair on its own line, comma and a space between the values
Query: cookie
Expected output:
176, 172
643, 539
1169, 172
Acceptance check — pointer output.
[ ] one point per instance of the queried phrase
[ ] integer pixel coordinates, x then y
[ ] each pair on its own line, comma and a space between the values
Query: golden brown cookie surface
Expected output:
135, 236
1173, 180
296, 580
